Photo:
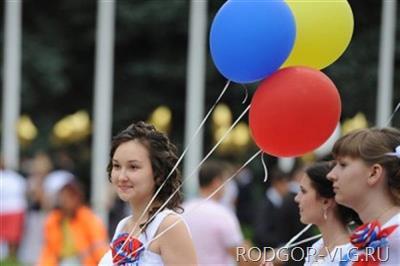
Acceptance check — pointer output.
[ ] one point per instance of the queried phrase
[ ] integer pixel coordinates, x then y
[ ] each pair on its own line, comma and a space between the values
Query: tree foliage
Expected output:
150, 62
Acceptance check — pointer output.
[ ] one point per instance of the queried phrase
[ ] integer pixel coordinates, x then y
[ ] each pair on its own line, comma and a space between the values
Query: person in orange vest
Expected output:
73, 234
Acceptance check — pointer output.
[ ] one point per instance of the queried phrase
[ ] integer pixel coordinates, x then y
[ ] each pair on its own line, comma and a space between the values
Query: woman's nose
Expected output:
122, 174
331, 175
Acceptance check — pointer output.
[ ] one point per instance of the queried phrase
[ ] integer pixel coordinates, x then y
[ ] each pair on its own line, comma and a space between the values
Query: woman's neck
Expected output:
138, 208
378, 208
334, 233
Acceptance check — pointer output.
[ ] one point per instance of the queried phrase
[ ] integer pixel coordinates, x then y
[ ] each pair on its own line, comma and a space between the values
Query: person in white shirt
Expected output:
141, 159
215, 228
13, 206
366, 178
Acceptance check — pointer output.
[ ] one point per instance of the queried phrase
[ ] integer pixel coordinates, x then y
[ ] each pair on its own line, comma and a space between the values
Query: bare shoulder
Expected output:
174, 223
176, 245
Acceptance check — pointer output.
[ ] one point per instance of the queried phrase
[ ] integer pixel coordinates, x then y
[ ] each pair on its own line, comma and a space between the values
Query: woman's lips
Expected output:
124, 188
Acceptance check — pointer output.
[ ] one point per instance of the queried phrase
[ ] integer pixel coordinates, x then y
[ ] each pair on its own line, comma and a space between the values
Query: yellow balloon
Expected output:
323, 32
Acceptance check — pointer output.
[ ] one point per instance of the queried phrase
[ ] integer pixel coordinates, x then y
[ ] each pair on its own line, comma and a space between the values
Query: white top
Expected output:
333, 258
393, 258
231, 192
147, 257
12, 192
214, 229
390, 255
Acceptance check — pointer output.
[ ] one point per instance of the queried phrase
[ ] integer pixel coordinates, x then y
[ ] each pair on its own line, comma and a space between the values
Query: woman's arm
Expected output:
176, 245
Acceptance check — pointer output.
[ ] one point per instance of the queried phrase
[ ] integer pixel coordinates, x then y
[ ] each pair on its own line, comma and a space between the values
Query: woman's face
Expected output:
349, 177
132, 173
310, 204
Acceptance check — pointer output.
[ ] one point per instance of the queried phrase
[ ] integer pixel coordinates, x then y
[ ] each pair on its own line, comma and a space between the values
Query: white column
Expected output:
11, 82
195, 90
386, 62
103, 97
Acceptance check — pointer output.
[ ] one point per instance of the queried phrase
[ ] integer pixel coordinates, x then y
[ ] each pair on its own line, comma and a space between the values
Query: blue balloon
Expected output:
251, 39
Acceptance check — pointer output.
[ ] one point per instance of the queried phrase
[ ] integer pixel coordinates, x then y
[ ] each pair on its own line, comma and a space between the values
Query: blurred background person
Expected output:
245, 203
39, 167
73, 235
290, 217
267, 220
12, 210
214, 227
231, 190
52, 185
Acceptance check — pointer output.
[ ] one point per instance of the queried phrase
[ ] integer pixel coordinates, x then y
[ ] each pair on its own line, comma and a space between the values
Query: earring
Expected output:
325, 215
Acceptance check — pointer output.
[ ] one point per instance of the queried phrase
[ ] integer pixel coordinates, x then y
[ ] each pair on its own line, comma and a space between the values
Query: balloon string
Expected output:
304, 241
192, 173
206, 199
199, 204
200, 164
246, 93
176, 165
394, 112
265, 167
297, 236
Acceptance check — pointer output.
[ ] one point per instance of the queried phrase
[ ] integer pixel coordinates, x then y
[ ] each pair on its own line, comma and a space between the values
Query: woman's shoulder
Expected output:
169, 218
394, 238
54, 218
395, 235
173, 222
84, 212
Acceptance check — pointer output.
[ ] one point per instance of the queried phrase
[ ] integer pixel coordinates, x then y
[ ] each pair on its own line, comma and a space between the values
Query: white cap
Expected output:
54, 182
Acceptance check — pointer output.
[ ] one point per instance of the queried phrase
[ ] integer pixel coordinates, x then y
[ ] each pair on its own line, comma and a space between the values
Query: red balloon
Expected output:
294, 111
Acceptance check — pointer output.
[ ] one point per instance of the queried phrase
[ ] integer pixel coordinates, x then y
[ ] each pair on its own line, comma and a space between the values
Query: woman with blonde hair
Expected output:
366, 178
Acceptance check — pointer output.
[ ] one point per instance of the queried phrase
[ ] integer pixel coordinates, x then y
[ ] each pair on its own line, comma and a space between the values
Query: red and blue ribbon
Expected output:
370, 236
127, 254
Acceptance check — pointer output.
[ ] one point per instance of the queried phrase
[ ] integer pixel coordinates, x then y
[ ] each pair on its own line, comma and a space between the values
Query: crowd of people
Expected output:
45, 220
353, 201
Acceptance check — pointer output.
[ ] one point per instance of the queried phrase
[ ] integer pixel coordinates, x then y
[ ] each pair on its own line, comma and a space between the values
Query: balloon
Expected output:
324, 29
294, 111
250, 40
327, 146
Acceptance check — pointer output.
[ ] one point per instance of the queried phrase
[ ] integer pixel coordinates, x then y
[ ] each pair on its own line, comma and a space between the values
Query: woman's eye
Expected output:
115, 166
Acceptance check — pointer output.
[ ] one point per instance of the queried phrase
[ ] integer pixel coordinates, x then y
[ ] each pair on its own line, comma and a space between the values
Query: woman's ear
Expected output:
328, 203
375, 174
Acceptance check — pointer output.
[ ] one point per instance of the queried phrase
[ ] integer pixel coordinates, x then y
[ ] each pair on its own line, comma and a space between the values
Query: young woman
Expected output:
366, 178
140, 160
318, 206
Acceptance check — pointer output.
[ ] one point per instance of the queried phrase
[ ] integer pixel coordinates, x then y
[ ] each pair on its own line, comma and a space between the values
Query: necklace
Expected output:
327, 249
338, 239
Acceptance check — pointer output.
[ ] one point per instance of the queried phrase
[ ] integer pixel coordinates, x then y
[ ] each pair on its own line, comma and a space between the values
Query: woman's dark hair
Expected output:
317, 173
162, 157
372, 145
